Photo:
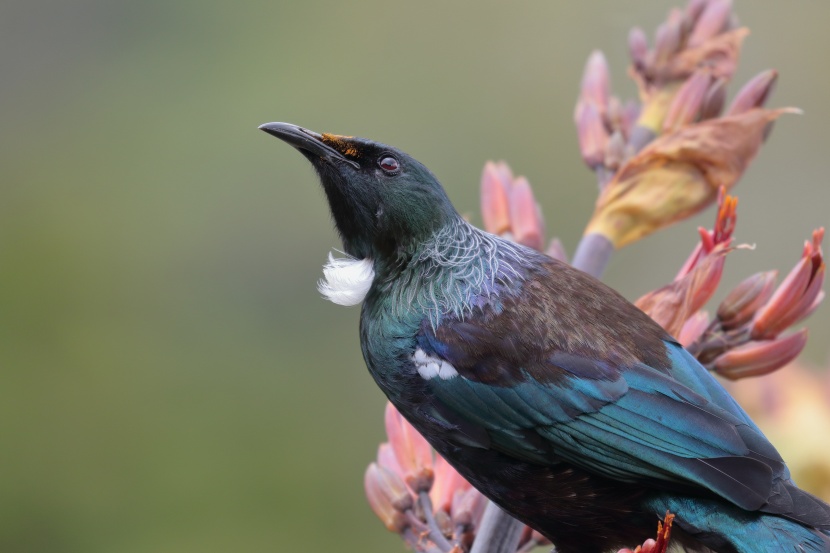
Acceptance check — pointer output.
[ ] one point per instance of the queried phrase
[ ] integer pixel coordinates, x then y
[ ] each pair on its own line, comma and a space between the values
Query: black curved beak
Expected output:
308, 142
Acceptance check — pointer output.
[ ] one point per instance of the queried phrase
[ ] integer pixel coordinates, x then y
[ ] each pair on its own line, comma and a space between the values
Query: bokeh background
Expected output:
170, 380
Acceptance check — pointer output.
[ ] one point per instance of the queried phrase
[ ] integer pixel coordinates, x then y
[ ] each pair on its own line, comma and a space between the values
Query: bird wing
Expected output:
601, 387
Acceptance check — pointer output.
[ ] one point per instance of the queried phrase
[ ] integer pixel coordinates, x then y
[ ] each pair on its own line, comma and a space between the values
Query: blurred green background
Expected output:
170, 380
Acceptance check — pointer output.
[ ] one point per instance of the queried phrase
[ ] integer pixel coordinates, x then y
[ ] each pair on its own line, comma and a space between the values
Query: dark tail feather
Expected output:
724, 527
796, 504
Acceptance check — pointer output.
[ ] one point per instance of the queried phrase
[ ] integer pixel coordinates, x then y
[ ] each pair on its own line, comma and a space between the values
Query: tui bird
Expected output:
551, 393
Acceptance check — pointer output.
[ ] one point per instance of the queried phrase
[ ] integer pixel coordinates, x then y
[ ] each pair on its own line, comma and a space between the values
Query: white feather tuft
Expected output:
346, 281
430, 367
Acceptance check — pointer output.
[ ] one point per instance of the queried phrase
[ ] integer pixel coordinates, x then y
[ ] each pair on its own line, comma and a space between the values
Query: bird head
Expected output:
384, 202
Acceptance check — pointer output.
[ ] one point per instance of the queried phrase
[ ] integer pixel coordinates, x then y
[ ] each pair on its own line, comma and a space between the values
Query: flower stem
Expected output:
416, 544
435, 533
592, 254
497, 532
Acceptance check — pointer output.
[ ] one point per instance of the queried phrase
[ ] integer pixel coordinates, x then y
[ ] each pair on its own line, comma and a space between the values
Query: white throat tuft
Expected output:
346, 281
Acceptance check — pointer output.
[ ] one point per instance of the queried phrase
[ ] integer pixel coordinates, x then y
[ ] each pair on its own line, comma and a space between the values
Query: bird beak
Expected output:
308, 142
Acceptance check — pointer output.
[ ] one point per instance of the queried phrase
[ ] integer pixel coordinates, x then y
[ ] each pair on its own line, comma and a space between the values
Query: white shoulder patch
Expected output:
430, 367
346, 281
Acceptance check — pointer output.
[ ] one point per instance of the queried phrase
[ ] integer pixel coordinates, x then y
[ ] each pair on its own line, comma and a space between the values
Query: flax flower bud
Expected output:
678, 175
699, 38
711, 22
693, 328
525, 216
638, 48
388, 497
674, 304
719, 53
754, 93
758, 358
444, 523
721, 234
468, 507
556, 250
797, 296
596, 83
686, 105
667, 41
495, 205
509, 208
413, 453
447, 483
386, 459
693, 10
592, 134
740, 304
592, 109
714, 100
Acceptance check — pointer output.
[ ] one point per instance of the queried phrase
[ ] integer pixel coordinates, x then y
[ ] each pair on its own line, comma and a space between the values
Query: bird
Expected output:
547, 390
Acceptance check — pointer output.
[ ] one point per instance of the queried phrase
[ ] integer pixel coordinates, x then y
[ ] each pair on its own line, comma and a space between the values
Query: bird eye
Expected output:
389, 164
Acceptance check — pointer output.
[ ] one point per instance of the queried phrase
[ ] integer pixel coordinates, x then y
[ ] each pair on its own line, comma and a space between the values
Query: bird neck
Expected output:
457, 269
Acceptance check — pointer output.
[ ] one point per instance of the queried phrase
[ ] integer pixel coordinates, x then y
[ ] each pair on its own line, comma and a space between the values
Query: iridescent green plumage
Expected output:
548, 391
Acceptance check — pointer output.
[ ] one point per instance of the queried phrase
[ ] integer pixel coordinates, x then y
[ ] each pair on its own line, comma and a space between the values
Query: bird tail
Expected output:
723, 527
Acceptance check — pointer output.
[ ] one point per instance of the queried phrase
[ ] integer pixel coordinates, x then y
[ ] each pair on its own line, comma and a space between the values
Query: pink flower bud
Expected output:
757, 358
447, 483
744, 300
667, 41
720, 235
648, 546
505, 173
468, 507
387, 459
809, 311
676, 17
495, 206
694, 9
444, 523
718, 53
525, 217
685, 107
754, 93
596, 82
714, 100
693, 328
592, 135
412, 451
711, 22
388, 497
797, 294
638, 48
556, 250
672, 305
